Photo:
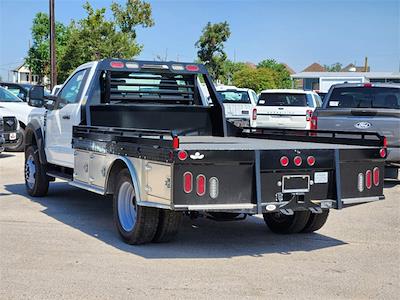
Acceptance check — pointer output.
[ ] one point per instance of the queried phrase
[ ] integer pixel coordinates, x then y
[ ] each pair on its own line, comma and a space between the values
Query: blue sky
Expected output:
295, 32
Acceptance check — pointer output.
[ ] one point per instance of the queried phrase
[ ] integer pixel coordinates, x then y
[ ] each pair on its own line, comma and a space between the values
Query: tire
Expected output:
19, 147
224, 216
135, 224
168, 225
316, 221
283, 224
36, 180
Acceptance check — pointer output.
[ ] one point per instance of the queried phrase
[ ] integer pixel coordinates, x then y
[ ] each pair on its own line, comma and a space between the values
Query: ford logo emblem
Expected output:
362, 125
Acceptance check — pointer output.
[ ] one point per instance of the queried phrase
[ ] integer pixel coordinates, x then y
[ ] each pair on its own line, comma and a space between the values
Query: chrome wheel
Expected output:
127, 206
30, 171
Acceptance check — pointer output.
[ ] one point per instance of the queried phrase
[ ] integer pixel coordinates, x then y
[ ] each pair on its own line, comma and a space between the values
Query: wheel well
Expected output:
117, 166
22, 125
30, 138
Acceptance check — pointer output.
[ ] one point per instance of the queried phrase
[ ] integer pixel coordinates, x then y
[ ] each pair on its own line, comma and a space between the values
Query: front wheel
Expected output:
136, 224
284, 224
36, 180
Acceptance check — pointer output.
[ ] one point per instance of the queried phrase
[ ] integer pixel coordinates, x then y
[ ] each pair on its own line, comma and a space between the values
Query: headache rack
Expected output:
317, 136
152, 86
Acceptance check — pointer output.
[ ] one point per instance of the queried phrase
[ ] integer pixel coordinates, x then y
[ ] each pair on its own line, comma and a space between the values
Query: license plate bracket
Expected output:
295, 183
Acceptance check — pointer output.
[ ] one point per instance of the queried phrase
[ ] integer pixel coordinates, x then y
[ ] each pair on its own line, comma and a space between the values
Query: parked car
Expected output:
288, 109
21, 110
365, 107
9, 126
239, 104
21, 90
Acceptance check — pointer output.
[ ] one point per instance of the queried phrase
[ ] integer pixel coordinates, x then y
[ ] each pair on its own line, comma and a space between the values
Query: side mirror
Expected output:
22, 96
36, 96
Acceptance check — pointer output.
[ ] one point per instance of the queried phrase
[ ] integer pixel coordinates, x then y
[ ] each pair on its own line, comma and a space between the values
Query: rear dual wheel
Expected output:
139, 224
300, 221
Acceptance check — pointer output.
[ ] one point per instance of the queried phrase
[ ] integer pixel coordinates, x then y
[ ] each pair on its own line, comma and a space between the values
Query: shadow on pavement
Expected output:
4, 155
200, 238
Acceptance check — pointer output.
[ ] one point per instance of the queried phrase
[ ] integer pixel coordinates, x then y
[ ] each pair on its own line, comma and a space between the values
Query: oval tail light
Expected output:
214, 187
187, 182
201, 185
376, 176
360, 182
368, 179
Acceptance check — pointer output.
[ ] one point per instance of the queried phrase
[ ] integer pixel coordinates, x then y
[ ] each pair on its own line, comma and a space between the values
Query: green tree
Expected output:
257, 79
211, 48
229, 69
38, 58
336, 67
280, 74
95, 37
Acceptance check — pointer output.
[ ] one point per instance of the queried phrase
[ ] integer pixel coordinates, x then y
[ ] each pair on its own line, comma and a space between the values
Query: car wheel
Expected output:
136, 224
284, 224
168, 225
316, 221
36, 180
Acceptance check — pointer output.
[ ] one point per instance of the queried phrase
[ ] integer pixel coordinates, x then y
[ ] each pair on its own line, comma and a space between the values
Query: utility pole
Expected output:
53, 69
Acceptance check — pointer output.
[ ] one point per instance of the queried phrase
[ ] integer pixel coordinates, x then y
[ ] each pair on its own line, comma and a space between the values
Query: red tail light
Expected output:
175, 142
182, 155
367, 85
201, 185
284, 161
375, 174
314, 123
187, 182
254, 114
311, 160
117, 64
384, 142
308, 115
382, 153
192, 68
368, 179
297, 160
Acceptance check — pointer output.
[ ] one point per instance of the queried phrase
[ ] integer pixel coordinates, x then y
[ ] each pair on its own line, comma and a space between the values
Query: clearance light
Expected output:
297, 161
311, 160
284, 161
375, 174
132, 65
214, 187
187, 182
382, 153
175, 142
117, 64
192, 68
360, 182
182, 155
178, 67
201, 185
368, 179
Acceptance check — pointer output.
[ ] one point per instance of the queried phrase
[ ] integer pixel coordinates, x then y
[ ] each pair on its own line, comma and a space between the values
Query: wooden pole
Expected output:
53, 67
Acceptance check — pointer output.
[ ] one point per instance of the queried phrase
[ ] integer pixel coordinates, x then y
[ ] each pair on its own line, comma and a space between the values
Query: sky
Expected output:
294, 32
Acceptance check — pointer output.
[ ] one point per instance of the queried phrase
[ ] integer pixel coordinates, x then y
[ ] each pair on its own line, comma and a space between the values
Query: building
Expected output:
22, 74
312, 80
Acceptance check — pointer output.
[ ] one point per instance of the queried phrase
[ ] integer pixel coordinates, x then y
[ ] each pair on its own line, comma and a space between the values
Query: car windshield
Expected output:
234, 96
6, 96
365, 97
282, 99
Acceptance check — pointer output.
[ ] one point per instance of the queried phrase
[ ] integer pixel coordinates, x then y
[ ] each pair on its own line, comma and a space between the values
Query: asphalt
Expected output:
64, 246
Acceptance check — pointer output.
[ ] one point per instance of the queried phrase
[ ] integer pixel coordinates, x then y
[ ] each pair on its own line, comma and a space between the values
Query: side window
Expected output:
318, 101
72, 89
254, 96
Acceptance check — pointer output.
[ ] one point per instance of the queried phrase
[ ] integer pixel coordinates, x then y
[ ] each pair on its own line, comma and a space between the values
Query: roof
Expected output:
353, 66
289, 69
378, 84
375, 75
288, 91
315, 67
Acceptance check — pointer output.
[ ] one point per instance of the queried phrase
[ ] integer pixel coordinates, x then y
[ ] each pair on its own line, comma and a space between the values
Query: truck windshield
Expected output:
234, 96
6, 96
365, 97
282, 99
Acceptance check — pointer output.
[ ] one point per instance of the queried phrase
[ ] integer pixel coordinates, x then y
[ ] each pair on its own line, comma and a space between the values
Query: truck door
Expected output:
59, 122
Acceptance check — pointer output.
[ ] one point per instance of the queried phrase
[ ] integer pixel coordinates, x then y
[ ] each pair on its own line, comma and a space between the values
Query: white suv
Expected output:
286, 109
239, 104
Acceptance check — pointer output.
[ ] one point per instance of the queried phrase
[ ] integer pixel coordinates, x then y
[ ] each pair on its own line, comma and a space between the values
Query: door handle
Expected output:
66, 117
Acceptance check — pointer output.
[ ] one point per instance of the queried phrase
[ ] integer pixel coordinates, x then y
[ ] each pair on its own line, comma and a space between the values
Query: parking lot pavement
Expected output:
65, 246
